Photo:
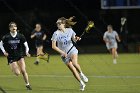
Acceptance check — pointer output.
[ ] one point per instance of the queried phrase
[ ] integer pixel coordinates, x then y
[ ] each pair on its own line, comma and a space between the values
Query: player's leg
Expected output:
41, 50
22, 67
109, 48
76, 75
42, 55
45, 57
14, 67
114, 55
37, 54
74, 58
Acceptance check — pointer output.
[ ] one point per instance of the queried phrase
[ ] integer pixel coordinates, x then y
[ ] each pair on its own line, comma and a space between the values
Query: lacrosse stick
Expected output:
87, 30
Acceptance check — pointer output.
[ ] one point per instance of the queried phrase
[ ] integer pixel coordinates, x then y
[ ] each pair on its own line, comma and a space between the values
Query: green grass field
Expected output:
55, 77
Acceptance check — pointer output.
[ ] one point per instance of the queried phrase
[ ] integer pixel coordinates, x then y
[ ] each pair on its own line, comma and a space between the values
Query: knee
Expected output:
23, 72
17, 73
75, 64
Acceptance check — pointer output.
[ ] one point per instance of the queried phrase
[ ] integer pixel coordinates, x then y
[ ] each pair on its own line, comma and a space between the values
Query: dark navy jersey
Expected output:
14, 45
38, 35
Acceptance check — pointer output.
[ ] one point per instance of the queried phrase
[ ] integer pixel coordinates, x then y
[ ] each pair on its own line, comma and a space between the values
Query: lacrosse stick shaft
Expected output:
82, 34
89, 26
75, 42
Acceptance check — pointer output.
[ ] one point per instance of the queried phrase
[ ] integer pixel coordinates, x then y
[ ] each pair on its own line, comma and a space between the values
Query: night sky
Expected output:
22, 5
27, 12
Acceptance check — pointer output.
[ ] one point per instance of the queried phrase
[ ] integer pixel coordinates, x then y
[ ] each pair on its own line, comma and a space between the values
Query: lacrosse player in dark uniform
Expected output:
12, 47
39, 36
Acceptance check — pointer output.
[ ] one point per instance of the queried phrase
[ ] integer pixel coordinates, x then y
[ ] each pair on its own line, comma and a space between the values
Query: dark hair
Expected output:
12, 23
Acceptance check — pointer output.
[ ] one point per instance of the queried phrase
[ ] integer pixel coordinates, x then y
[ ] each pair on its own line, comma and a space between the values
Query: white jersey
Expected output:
63, 39
111, 37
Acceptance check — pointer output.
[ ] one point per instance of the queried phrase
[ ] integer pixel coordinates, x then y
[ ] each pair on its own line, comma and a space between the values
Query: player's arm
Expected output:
105, 39
2, 49
74, 37
44, 37
23, 41
26, 48
33, 34
57, 49
117, 37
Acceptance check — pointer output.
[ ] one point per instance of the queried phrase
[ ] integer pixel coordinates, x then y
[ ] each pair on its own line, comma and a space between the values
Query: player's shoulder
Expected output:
69, 28
106, 32
6, 35
114, 31
57, 32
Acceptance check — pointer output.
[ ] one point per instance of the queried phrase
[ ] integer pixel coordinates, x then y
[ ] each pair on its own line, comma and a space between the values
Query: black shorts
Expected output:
14, 59
38, 44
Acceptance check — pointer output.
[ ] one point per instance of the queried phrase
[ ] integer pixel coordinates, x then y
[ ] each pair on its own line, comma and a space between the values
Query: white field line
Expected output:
68, 76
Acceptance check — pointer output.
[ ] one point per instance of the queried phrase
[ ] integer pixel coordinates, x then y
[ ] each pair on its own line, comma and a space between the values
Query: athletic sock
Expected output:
27, 84
114, 61
81, 82
81, 73
37, 59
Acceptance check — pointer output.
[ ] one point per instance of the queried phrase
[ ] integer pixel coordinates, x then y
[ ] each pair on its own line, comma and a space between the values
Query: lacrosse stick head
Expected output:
89, 26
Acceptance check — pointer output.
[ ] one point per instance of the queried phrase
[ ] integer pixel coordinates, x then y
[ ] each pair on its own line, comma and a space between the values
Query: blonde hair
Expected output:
68, 22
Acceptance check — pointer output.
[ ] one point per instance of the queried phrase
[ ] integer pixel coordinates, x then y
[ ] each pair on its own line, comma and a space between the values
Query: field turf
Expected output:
55, 77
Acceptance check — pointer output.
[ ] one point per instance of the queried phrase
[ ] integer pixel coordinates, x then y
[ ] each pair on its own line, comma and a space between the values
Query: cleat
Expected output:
114, 61
82, 87
28, 87
84, 78
40, 56
45, 57
36, 63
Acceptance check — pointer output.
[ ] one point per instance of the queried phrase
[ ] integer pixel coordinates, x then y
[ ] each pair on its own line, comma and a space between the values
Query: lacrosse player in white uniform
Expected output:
110, 37
61, 42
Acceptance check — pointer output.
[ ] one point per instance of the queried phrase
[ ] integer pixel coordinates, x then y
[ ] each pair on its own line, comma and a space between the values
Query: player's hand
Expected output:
64, 54
6, 54
119, 40
77, 38
28, 55
34, 34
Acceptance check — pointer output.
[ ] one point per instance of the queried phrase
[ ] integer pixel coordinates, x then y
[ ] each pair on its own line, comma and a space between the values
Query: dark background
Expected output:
27, 12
